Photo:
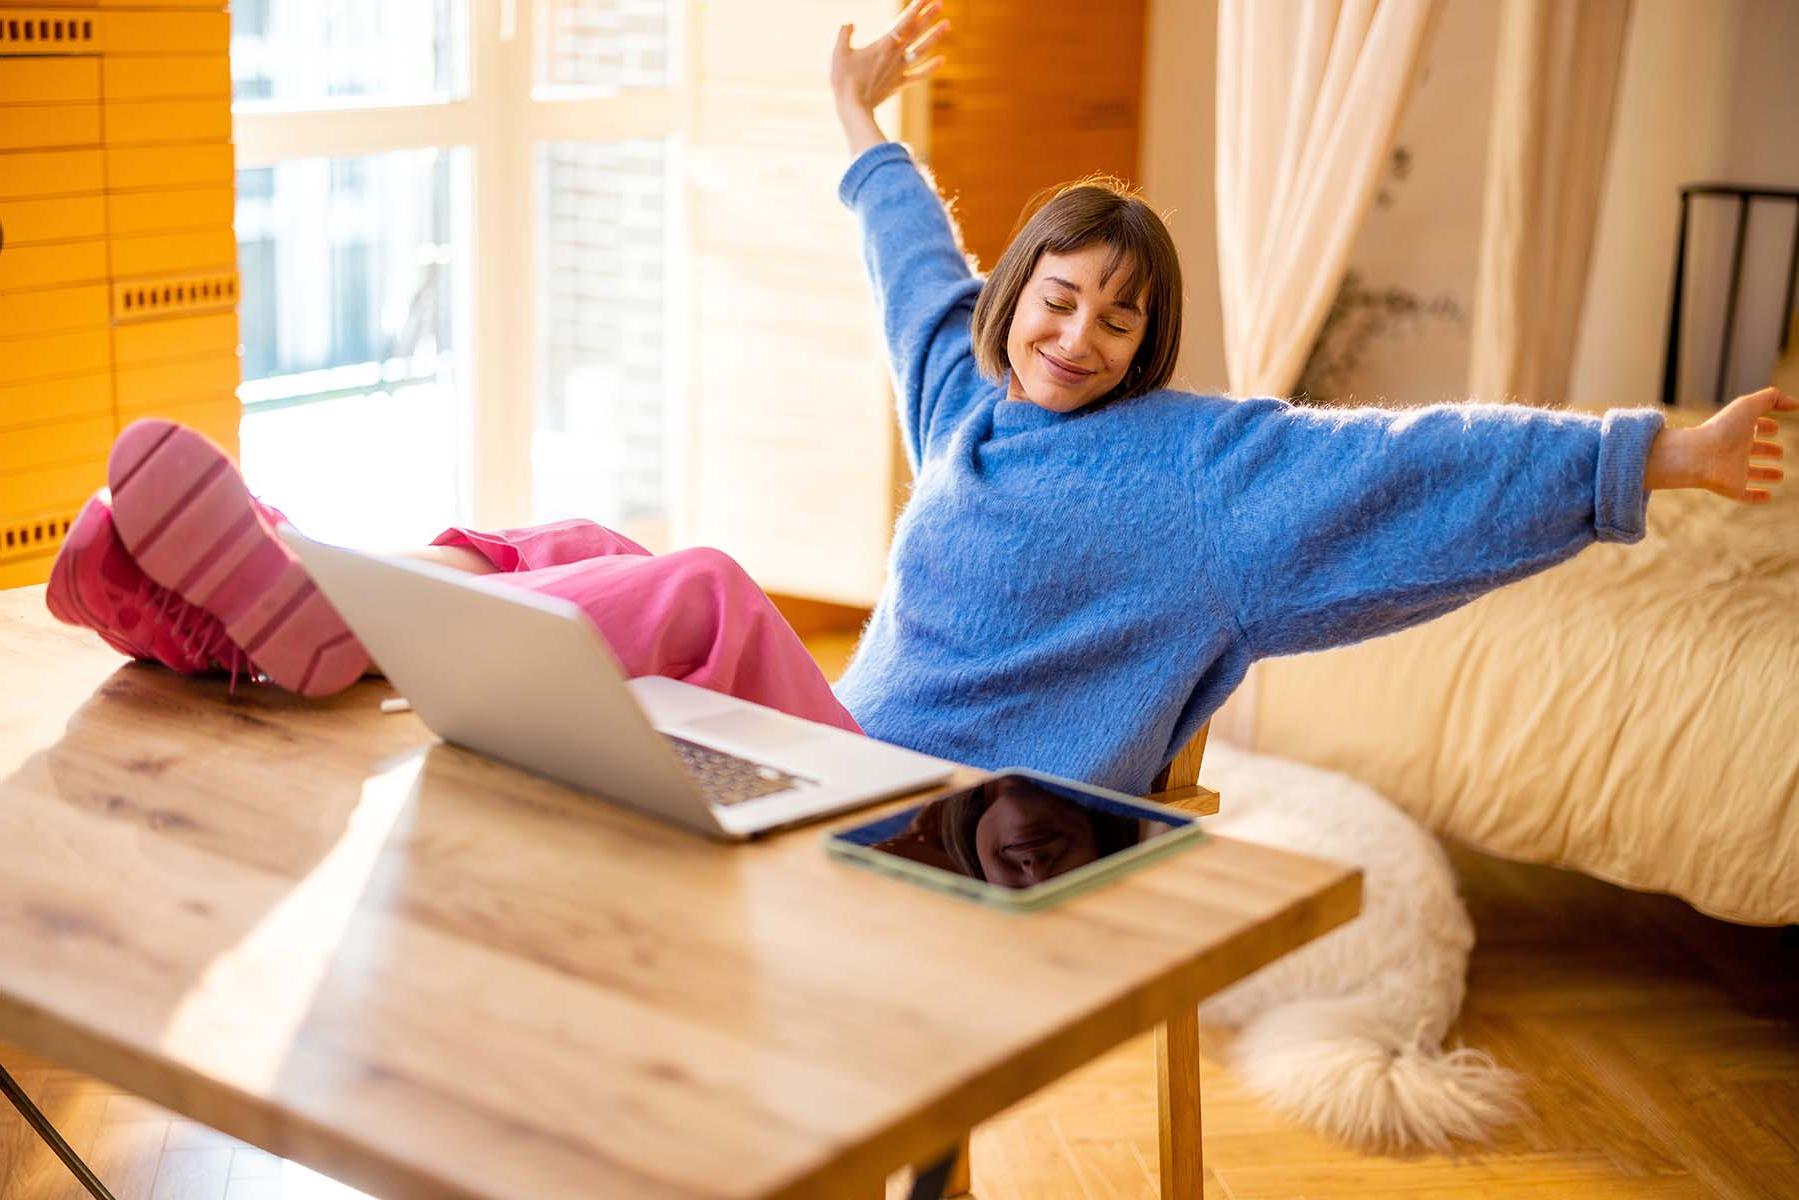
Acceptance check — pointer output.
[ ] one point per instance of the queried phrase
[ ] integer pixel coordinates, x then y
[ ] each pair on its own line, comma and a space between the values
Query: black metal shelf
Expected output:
1743, 195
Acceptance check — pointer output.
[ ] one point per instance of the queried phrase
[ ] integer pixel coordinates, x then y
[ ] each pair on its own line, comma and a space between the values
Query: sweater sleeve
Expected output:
1338, 525
924, 289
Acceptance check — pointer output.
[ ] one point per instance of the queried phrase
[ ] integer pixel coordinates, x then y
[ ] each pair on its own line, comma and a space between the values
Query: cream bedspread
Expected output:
1633, 713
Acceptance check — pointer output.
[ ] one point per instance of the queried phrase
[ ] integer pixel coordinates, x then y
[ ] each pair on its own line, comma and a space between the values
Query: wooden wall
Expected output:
1033, 93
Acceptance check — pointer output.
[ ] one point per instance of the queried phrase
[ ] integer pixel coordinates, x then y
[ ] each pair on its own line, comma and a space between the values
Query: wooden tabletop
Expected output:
312, 926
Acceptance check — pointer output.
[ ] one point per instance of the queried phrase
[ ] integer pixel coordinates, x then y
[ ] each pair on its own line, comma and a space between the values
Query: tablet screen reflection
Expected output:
1013, 831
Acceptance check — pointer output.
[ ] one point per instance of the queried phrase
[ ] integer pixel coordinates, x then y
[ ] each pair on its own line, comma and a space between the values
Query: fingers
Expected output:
919, 48
1771, 399
1769, 474
1766, 450
843, 41
923, 70
903, 23
917, 16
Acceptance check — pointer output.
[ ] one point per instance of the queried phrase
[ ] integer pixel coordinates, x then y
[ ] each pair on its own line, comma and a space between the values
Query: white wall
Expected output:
1706, 91
1179, 120
1424, 239
1706, 94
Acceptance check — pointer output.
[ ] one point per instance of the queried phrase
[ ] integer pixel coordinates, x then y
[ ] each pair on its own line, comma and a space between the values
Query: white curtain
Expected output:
1309, 95
1556, 79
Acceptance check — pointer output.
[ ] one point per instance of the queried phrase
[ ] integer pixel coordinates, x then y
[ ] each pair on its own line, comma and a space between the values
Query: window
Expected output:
600, 446
517, 260
397, 198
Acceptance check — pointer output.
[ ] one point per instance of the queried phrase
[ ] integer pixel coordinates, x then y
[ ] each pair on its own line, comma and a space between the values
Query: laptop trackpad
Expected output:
747, 727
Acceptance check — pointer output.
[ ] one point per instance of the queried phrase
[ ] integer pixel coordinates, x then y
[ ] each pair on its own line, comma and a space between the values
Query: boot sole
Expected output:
185, 515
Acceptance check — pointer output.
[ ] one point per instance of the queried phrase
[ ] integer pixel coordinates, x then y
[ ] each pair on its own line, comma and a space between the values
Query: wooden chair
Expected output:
1177, 1040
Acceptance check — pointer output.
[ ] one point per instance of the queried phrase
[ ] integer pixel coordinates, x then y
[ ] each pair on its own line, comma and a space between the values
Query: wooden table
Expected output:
311, 926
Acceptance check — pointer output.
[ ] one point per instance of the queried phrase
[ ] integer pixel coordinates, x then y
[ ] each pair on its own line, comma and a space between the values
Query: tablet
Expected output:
1019, 840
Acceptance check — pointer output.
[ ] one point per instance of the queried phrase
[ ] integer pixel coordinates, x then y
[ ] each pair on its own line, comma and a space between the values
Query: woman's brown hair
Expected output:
1097, 210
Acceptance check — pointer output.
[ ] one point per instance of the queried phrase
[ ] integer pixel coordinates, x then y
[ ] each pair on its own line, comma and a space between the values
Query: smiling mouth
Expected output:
1064, 371
1026, 844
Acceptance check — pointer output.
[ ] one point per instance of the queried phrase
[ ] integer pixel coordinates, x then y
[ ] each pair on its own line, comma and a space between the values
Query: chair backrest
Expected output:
1178, 784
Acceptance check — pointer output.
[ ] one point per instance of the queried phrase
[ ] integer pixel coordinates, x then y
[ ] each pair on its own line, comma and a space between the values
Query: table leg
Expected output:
38, 1121
961, 1175
930, 1182
1177, 1095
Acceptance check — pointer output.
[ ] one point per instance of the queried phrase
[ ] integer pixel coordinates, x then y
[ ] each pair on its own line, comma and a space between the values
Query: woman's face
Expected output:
1072, 338
1027, 836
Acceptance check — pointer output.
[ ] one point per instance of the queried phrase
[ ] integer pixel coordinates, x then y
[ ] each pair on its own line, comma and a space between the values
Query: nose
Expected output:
1075, 337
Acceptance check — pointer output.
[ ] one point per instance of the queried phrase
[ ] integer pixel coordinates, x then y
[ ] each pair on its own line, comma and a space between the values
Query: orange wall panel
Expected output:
27, 314
62, 219
48, 80
45, 489
161, 253
130, 213
165, 77
176, 338
149, 121
138, 167
133, 31
51, 173
66, 439
147, 387
51, 265
116, 182
77, 353
49, 399
44, 126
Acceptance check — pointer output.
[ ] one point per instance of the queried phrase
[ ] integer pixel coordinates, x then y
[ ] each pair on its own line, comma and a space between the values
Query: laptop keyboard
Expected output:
727, 779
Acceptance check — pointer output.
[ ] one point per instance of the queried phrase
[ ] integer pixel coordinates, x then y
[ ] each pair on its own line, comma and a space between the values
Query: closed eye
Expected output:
1057, 306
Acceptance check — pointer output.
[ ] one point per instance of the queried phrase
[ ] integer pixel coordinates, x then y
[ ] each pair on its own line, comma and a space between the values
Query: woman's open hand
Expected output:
1728, 454
861, 78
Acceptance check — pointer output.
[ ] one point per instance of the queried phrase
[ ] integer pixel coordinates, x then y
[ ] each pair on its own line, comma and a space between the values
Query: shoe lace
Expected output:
199, 634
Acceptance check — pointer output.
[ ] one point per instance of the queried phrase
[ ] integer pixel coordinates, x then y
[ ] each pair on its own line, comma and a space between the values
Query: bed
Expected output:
1632, 713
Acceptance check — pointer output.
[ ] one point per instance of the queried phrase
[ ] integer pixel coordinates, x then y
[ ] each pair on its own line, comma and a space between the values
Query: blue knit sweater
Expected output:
1078, 593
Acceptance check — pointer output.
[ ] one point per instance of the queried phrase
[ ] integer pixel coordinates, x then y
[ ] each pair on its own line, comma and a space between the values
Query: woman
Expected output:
1089, 562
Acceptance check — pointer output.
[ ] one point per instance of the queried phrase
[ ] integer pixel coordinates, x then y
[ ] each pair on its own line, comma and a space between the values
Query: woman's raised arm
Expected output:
923, 284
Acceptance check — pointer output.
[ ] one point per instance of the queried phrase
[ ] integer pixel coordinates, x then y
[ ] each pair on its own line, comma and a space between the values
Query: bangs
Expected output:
1129, 245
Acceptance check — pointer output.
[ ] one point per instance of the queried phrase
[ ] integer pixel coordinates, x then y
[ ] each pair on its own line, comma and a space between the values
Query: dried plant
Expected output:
1358, 317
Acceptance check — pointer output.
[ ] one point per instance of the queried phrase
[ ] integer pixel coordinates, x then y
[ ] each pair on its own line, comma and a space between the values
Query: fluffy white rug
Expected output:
1346, 1034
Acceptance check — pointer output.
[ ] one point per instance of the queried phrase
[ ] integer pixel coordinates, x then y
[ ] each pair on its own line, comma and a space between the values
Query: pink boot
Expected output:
184, 514
96, 585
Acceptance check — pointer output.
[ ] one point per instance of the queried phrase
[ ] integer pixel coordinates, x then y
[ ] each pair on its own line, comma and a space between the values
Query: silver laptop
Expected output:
525, 678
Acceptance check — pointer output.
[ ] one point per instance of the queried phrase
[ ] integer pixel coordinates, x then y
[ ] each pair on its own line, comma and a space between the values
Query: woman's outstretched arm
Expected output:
1335, 525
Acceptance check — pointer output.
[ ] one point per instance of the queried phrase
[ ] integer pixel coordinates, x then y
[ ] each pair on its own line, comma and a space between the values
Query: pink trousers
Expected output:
693, 615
